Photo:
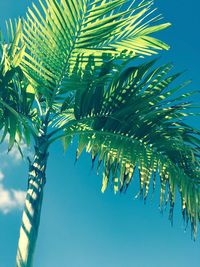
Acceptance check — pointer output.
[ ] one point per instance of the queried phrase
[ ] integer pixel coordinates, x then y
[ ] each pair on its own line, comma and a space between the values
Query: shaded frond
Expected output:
136, 120
16, 95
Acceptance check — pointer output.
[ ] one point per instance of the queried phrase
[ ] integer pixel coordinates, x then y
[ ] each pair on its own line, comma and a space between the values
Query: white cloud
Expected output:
1, 176
11, 199
14, 154
19, 196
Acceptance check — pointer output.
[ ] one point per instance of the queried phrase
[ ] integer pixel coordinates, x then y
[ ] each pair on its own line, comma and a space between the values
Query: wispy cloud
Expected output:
13, 155
10, 198
1, 176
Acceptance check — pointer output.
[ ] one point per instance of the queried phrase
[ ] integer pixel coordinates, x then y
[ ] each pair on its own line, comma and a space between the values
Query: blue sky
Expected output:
80, 227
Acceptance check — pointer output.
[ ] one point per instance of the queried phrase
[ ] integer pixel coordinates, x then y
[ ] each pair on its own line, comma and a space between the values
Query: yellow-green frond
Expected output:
58, 32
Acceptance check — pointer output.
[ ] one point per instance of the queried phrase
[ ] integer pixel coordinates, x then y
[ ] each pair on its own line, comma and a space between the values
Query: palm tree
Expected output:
73, 76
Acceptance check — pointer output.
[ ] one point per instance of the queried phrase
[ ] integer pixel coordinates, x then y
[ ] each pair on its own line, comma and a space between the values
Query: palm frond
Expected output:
136, 120
58, 32
16, 95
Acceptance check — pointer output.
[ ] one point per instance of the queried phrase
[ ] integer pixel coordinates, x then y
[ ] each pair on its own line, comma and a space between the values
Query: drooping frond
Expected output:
136, 121
58, 32
16, 95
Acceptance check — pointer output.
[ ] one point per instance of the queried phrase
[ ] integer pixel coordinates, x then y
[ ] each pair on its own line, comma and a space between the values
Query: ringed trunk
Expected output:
32, 209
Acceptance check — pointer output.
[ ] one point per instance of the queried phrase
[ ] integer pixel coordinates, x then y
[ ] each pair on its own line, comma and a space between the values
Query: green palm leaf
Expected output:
59, 32
16, 95
137, 121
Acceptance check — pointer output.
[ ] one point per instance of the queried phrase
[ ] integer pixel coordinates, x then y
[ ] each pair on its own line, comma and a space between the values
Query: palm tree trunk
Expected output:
32, 208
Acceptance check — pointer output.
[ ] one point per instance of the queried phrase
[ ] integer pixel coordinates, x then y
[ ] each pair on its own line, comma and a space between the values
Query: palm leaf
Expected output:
16, 99
138, 122
58, 32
